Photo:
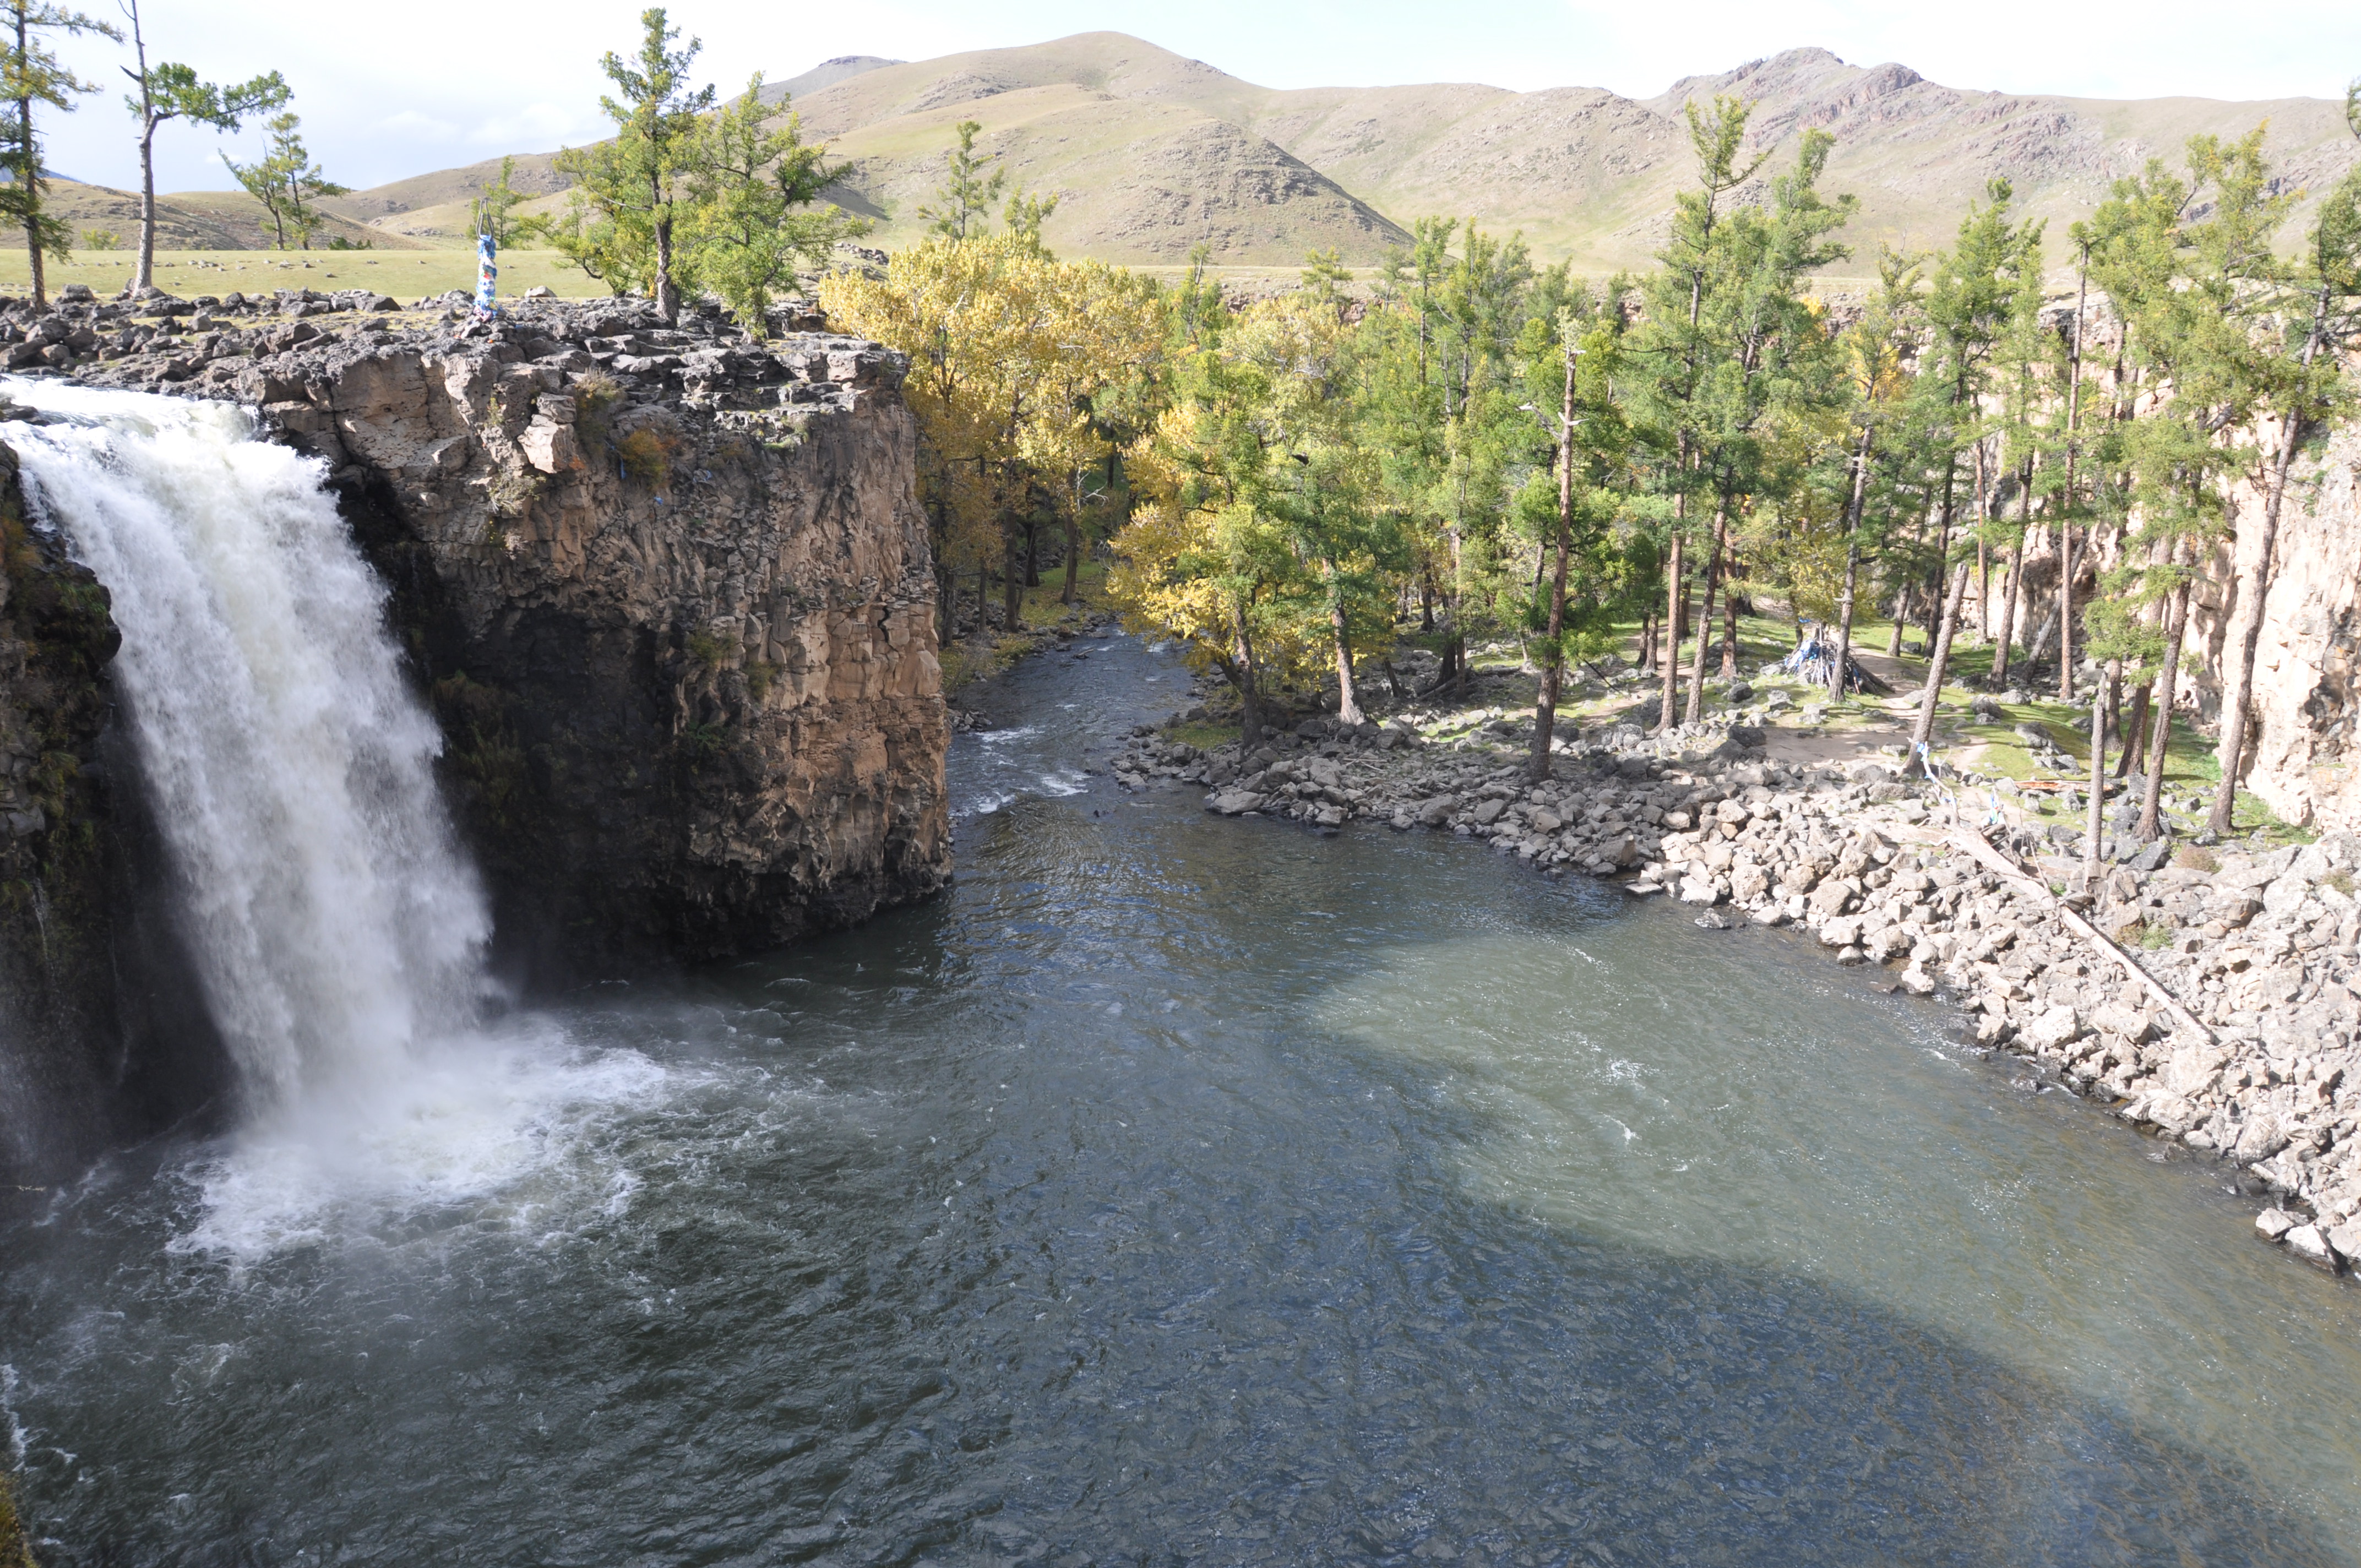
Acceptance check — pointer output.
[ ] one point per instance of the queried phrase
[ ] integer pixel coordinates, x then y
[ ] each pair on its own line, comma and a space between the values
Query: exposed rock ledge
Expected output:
670, 589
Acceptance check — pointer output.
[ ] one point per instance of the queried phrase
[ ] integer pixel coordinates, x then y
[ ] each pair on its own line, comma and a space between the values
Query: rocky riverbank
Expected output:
2259, 949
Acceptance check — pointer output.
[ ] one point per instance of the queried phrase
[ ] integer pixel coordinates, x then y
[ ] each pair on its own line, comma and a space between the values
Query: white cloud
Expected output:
414, 127
534, 128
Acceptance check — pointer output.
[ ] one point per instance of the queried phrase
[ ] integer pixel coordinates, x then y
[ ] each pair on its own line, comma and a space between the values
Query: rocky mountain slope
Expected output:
1124, 133
1151, 154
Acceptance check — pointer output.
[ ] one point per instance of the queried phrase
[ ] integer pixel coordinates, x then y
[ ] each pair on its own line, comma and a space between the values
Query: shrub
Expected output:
707, 649
594, 397
2195, 857
647, 455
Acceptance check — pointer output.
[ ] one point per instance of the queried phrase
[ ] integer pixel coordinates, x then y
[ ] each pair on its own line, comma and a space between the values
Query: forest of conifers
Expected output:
1478, 448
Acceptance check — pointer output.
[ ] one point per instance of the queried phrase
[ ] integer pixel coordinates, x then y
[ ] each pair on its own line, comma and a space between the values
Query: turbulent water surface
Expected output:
1182, 1191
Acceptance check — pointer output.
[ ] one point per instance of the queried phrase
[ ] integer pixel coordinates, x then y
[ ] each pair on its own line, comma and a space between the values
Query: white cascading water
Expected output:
332, 920
337, 929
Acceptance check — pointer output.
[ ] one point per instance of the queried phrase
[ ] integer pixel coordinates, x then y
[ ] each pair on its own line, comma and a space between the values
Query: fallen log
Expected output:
1992, 861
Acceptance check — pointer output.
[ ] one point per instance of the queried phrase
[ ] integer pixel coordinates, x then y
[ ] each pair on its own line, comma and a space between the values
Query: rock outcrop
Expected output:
669, 588
56, 1010
2305, 757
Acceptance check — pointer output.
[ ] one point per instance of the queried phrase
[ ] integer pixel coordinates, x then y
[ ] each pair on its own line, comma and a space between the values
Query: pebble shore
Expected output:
2257, 949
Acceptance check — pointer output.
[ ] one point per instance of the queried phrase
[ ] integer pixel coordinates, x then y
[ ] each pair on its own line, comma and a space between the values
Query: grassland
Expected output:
405, 274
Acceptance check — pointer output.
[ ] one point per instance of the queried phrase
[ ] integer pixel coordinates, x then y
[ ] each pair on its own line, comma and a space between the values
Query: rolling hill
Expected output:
1150, 153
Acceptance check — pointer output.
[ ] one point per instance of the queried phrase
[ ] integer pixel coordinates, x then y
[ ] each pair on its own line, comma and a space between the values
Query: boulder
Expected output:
2260, 1137
2347, 1240
1234, 801
1838, 933
2054, 1029
2274, 1223
1488, 813
2308, 1244
2195, 1068
2129, 1023
1437, 810
1830, 898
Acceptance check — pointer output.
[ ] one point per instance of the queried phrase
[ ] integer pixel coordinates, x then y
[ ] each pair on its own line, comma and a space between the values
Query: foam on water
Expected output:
336, 929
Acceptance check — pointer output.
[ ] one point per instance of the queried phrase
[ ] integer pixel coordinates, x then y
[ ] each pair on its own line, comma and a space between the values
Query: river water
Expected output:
1179, 1190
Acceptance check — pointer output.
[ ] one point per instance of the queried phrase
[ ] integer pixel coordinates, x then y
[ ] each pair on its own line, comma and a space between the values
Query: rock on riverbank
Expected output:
2260, 948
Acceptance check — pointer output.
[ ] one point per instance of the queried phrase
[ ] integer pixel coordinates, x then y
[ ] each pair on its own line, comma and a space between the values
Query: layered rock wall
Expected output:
2306, 758
57, 1013
675, 598
669, 587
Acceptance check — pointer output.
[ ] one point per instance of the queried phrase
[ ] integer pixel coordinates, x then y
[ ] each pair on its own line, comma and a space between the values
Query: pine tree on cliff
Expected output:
636, 184
33, 75
2321, 308
168, 91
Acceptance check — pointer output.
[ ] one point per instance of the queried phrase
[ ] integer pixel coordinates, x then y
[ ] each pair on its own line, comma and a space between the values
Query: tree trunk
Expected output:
1348, 707
1553, 657
1676, 592
2066, 495
1033, 552
31, 174
1012, 581
667, 291
2010, 576
1923, 732
2164, 693
2135, 731
1704, 617
1246, 679
1852, 567
1648, 641
1729, 611
1073, 553
1844, 619
2238, 688
2091, 833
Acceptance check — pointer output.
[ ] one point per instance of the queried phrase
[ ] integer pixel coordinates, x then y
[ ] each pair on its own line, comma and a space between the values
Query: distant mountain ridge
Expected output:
1150, 153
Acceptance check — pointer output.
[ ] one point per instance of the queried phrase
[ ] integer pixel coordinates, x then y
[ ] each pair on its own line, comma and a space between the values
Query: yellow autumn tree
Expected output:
1009, 349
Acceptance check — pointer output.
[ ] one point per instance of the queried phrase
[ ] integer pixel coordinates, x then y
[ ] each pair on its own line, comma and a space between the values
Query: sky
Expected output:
442, 83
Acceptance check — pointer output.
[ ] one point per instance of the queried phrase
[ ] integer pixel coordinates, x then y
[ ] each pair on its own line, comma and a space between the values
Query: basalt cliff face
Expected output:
57, 1011
667, 589
672, 592
2305, 758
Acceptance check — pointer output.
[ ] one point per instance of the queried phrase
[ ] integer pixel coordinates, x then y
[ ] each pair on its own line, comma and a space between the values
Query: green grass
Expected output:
1202, 735
406, 275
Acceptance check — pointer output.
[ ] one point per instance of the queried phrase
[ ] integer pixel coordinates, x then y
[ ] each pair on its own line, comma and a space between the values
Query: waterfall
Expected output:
334, 923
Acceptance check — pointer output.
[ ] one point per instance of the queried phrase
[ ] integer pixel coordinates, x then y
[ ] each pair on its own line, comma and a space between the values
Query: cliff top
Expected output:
265, 349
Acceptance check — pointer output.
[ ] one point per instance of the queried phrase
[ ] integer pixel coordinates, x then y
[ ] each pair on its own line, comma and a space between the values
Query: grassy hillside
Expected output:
1583, 172
189, 220
1150, 154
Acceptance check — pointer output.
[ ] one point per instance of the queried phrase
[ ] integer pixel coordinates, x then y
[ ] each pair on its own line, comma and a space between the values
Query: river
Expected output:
1183, 1191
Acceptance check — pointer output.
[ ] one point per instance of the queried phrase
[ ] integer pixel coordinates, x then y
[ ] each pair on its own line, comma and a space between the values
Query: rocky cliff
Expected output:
57, 1009
2306, 759
669, 589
